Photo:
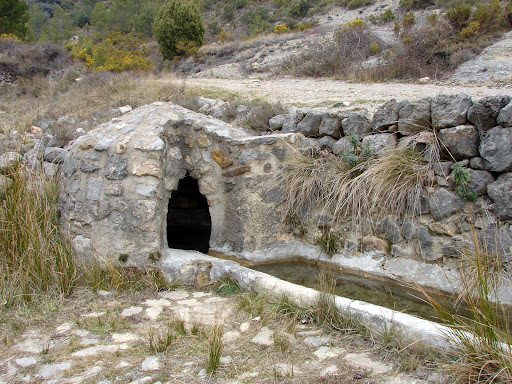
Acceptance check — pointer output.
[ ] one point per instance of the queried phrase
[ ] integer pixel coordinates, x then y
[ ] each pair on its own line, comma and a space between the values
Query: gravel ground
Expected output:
326, 94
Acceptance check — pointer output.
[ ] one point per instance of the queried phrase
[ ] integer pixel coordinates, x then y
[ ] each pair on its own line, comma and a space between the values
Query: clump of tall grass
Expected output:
481, 334
35, 259
392, 182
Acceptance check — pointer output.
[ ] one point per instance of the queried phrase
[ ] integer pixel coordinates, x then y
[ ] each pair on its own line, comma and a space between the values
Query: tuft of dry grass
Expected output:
391, 183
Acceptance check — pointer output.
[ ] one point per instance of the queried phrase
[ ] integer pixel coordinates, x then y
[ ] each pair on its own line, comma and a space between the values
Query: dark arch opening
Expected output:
189, 224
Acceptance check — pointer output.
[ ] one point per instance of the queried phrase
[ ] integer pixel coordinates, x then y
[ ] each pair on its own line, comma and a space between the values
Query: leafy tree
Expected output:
178, 28
13, 17
58, 27
36, 21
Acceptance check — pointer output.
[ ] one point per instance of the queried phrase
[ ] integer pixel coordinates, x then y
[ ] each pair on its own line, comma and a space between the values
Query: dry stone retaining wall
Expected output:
117, 179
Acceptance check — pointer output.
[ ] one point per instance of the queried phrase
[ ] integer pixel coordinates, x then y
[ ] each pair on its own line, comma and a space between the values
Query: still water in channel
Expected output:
354, 286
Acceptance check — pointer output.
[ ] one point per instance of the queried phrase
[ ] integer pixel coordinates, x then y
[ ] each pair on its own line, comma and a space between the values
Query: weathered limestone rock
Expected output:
381, 143
330, 126
505, 116
496, 239
426, 242
414, 117
390, 230
461, 141
484, 113
496, 149
5, 183
342, 145
499, 192
443, 203
8, 160
357, 124
387, 114
54, 155
310, 124
477, 163
327, 142
285, 122
479, 180
450, 110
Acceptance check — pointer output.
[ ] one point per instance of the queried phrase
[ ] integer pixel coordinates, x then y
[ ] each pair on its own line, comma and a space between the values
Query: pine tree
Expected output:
178, 28
13, 17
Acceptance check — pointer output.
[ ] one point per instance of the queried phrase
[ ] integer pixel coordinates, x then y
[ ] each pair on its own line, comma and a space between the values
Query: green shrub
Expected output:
298, 9
489, 16
257, 19
508, 13
408, 20
459, 15
353, 4
408, 5
178, 27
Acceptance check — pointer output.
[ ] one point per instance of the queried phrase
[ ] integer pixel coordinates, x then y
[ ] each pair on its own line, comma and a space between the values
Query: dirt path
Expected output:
327, 93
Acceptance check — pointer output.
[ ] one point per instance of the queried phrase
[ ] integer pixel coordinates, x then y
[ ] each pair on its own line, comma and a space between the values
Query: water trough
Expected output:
194, 267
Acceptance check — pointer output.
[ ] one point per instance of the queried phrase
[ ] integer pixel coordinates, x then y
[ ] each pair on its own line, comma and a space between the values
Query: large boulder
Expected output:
505, 116
450, 110
499, 192
462, 141
387, 114
414, 117
496, 149
484, 113
443, 203
357, 124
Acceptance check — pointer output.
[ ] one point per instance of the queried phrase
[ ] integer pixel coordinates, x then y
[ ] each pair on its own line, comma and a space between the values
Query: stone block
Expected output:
357, 124
500, 194
505, 117
330, 126
380, 143
496, 149
443, 203
479, 180
116, 168
414, 117
387, 114
461, 141
484, 113
310, 124
450, 110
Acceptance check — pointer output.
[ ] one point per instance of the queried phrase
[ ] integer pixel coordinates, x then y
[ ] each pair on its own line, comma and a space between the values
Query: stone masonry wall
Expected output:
118, 178
475, 135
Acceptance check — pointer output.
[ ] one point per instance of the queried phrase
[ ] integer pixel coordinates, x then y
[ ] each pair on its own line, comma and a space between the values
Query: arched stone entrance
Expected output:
188, 217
